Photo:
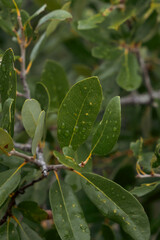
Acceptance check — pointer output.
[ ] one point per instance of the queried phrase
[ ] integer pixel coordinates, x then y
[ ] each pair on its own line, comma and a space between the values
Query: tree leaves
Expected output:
55, 80
7, 120
33, 120
8, 82
67, 213
56, 14
6, 142
38, 132
8, 232
9, 180
108, 130
30, 114
107, 52
78, 112
117, 204
42, 95
128, 77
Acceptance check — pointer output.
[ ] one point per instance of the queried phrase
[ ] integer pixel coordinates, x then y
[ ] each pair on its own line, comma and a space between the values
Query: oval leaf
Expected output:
117, 204
128, 77
55, 80
56, 14
30, 114
42, 95
9, 180
38, 132
67, 213
78, 112
108, 130
6, 142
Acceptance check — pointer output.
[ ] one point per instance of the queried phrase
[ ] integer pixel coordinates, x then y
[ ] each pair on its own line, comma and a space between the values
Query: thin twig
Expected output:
148, 175
22, 43
25, 147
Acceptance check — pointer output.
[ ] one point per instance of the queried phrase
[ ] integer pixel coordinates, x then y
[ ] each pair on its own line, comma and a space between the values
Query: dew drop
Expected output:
106, 121
66, 133
10, 74
59, 131
90, 103
63, 125
85, 88
73, 205
114, 129
60, 205
114, 210
123, 197
64, 105
3, 67
86, 114
83, 122
107, 137
84, 137
113, 135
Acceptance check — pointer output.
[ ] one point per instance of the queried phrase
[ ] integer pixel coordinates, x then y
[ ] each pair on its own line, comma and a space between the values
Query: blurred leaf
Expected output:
38, 12
32, 211
36, 49
115, 203
78, 112
27, 233
6, 142
91, 22
136, 147
42, 95
108, 130
106, 52
8, 232
57, 14
67, 212
144, 189
38, 132
55, 80
9, 181
8, 82
107, 232
30, 113
7, 120
129, 78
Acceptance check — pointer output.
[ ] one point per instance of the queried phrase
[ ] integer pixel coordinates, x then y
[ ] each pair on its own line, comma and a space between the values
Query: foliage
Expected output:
79, 119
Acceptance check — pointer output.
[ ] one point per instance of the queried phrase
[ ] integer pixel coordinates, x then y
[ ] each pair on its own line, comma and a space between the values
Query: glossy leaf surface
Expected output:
67, 213
26, 233
117, 204
78, 112
108, 130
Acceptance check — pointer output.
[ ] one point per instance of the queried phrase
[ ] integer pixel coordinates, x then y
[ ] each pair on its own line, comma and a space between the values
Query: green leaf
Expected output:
144, 189
36, 49
67, 213
56, 14
32, 211
7, 120
6, 142
107, 232
117, 204
38, 132
9, 181
106, 52
8, 80
91, 22
30, 113
67, 161
26, 233
39, 11
42, 96
55, 80
108, 130
129, 78
8, 232
78, 112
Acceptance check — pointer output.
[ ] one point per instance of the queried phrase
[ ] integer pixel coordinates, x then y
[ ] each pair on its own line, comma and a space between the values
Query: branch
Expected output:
25, 147
135, 98
12, 202
148, 175
22, 43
